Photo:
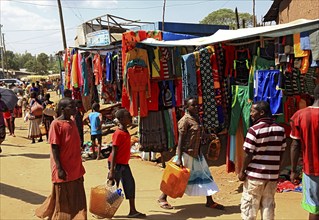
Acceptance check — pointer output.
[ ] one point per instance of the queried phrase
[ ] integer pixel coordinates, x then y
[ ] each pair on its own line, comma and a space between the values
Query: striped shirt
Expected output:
266, 140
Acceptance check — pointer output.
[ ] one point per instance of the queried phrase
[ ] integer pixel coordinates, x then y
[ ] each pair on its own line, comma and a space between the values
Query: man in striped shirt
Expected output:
264, 146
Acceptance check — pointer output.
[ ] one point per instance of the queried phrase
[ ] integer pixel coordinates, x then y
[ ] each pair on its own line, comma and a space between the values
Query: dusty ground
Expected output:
25, 183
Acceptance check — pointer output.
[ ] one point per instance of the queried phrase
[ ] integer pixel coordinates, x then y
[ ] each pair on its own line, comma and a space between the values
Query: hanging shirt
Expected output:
86, 90
97, 69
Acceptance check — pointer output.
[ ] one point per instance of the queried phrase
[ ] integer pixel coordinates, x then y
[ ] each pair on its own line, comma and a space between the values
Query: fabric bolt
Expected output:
314, 44
290, 107
201, 182
165, 58
310, 81
291, 82
266, 140
189, 76
177, 61
310, 193
152, 133
210, 116
305, 127
258, 195
167, 93
139, 89
241, 105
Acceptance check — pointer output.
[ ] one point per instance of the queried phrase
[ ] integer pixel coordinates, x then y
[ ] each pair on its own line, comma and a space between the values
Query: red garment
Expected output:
152, 102
178, 92
97, 69
65, 134
229, 58
122, 140
305, 127
139, 89
291, 106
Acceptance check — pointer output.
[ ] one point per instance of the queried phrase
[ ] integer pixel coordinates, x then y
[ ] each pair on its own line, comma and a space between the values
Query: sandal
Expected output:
164, 205
136, 215
215, 205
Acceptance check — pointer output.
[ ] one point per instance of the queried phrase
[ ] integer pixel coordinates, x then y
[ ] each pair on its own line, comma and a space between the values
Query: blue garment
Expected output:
95, 123
305, 41
189, 76
167, 97
108, 63
266, 89
85, 76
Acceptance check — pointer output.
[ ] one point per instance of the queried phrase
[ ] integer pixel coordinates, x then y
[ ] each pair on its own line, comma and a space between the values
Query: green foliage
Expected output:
40, 64
227, 16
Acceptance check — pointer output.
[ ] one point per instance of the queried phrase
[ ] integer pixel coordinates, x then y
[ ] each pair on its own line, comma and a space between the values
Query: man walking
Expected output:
305, 135
264, 146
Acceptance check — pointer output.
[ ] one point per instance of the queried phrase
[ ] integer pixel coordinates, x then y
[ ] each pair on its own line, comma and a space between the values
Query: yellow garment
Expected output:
74, 71
297, 48
156, 70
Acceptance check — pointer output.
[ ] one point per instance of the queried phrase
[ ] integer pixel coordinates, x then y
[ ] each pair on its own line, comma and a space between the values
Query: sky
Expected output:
33, 26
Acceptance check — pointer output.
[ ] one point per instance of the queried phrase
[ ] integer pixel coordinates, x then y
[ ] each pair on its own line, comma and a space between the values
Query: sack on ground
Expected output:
105, 200
174, 180
213, 150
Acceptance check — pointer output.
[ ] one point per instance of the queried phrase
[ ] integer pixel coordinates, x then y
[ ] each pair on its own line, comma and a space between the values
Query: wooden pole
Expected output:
62, 24
163, 19
254, 13
237, 18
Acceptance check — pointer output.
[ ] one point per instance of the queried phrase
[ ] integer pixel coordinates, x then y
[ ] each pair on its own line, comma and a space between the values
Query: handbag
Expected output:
43, 130
213, 150
36, 109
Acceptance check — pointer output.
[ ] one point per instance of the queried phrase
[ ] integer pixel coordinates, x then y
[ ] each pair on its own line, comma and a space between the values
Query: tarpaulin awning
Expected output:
293, 27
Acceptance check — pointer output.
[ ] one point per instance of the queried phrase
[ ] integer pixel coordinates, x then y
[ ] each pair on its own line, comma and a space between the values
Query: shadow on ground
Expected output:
30, 155
184, 212
21, 194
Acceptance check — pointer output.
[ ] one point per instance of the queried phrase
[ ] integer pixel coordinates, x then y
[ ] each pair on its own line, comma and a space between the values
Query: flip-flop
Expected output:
164, 205
215, 205
137, 215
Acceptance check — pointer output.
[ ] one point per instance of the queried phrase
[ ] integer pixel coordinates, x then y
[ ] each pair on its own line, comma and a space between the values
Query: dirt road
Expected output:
25, 183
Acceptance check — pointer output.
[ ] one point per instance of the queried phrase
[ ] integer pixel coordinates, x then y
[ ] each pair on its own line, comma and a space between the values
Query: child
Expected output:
119, 167
95, 118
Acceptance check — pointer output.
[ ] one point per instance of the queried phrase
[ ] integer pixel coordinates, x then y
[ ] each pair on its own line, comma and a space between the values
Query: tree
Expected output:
10, 61
42, 64
227, 16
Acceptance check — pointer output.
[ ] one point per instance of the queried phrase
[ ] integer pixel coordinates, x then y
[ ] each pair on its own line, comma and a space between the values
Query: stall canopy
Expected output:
297, 26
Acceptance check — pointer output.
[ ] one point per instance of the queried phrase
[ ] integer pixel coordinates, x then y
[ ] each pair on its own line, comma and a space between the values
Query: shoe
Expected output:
164, 205
136, 215
215, 205
41, 140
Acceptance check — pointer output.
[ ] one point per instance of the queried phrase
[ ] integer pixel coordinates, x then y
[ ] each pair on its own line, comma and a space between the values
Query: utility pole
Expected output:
237, 18
164, 6
62, 24
254, 13
2, 53
5, 57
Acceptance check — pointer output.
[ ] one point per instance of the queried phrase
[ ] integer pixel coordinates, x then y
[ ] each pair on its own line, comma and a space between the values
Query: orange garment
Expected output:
97, 69
305, 63
138, 89
75, 70
67, 67
64, 133
297, 48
